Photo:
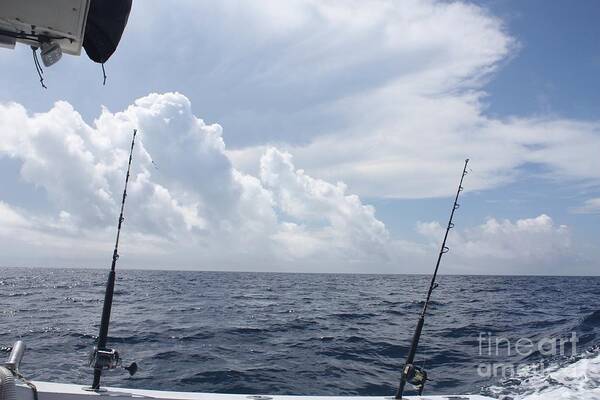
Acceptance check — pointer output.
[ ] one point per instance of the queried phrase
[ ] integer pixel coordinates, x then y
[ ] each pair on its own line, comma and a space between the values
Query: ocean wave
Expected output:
591, 320
574, 378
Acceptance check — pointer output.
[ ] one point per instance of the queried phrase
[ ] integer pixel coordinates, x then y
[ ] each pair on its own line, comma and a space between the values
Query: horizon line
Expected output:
179, 269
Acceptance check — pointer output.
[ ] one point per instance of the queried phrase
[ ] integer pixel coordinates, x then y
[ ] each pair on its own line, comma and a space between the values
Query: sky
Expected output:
313, 136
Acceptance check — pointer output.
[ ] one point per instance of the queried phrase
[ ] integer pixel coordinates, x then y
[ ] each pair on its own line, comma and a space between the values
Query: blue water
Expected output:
325, 334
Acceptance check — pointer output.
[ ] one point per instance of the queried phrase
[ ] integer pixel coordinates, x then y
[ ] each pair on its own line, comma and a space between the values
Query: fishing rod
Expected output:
101, 357
411, 373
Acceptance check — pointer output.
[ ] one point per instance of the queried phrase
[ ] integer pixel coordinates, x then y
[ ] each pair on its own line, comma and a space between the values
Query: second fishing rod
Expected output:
411, 373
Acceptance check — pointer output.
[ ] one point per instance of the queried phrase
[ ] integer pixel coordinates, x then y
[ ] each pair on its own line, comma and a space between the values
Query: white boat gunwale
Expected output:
56, 391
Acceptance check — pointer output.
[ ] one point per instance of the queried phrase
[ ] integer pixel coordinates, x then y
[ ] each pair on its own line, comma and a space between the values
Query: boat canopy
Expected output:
95, 25
105, 25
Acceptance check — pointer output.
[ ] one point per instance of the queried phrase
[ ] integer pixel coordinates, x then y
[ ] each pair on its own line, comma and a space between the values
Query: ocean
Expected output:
310, 334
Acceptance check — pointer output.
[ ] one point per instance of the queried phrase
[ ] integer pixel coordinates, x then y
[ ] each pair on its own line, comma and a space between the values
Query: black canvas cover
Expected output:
104, 28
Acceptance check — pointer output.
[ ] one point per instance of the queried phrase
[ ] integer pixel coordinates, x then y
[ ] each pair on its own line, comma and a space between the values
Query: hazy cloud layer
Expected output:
384, 91
590, 206
530, 245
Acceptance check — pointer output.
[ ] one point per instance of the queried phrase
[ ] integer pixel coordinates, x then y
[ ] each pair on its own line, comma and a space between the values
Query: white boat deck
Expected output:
60, 391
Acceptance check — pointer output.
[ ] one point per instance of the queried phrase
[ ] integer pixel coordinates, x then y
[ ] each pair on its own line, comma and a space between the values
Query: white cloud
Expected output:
380, 92
424, 154
188, 206
185, 199
328, 217
590, 206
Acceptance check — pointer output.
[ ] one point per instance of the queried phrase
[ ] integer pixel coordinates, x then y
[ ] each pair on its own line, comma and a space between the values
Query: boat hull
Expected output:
62, 391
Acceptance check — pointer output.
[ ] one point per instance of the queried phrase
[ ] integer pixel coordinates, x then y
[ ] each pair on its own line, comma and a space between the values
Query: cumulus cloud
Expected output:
328, 216
529, 245
184, 193
188, 206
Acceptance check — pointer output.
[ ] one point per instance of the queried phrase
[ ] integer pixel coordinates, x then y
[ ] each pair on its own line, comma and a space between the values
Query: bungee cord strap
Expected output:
38, 67
103, 75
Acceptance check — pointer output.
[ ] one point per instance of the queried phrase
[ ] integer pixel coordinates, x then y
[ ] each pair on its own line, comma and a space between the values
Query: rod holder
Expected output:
15, 356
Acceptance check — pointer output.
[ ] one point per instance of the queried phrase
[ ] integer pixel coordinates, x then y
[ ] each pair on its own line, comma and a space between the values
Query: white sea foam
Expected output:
577, 379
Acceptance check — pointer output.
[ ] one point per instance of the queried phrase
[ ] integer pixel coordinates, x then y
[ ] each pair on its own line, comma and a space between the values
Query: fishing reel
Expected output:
416, 376
101, 359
